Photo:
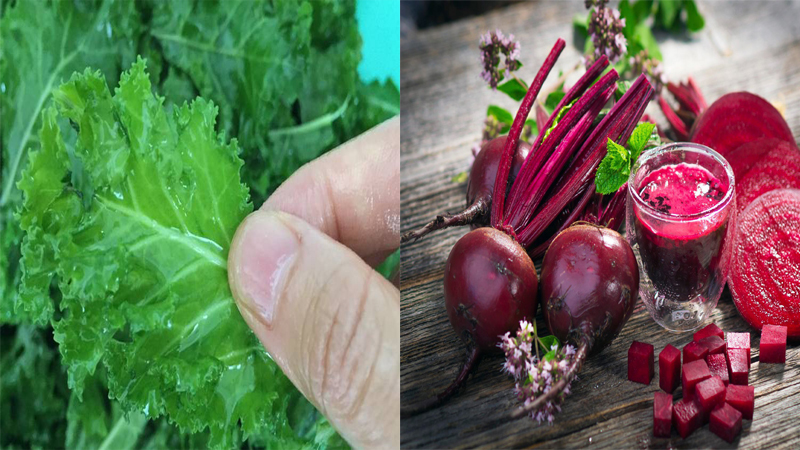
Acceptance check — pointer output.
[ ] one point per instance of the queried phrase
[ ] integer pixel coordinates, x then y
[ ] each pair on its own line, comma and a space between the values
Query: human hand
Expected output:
300, 269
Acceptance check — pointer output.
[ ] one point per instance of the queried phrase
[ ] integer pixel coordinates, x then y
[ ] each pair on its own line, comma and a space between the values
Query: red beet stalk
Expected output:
516, 131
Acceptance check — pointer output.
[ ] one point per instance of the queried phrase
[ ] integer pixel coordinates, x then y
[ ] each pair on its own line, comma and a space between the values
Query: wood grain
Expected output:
744, 46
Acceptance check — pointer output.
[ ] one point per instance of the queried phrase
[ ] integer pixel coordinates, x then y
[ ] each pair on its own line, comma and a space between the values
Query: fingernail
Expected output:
267, 250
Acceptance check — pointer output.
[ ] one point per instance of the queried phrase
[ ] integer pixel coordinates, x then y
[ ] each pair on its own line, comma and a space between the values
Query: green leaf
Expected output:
639, 139
502, 115
549, 356
460, 177
513, 89
613, 170
667, 12
622, 88
554, 98
643, 35
694, 20
389, 267
548, 342
627, 12
137, 253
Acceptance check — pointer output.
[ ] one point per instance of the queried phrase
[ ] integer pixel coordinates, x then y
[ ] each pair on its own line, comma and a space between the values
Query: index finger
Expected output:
352, 193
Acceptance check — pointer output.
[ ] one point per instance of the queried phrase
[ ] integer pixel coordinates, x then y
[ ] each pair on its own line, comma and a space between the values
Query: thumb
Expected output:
328, 319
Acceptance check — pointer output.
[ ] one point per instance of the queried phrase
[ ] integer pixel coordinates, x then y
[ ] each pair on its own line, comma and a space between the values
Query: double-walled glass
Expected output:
683, 258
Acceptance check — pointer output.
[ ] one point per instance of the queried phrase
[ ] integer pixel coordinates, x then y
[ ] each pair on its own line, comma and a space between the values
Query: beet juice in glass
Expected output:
680, 221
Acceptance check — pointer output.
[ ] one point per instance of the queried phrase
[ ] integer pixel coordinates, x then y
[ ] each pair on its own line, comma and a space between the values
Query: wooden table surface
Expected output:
745, 46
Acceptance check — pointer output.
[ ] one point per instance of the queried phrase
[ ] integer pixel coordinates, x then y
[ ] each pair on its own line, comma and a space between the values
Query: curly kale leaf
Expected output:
129, 210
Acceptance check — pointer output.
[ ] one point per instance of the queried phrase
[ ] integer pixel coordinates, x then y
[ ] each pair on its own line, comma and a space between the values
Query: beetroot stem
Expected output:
576, 213
473, 356
466, 217
574, 368
515, 132
672, 117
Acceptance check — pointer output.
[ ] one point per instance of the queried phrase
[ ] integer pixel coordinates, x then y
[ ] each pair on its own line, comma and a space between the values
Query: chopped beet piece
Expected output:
687, 417
662, 414
718, 365
714, 344
742, 398
726, 422
740, 340
773, 344
709, 330
737, 365
710, 393
669, 368
693, 373
640, 362
694, 351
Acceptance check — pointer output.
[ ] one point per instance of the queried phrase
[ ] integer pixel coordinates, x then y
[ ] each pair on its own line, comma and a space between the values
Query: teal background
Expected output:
379, 23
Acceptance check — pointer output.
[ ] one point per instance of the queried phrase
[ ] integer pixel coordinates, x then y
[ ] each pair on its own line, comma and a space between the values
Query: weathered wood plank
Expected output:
745, 46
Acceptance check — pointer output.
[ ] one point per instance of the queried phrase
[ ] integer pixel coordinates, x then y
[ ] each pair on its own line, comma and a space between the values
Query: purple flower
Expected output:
651, 67
605, 29
493, 46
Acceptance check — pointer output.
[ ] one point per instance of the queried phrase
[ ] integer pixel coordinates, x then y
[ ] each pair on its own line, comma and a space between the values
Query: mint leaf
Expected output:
548, 342
639, 139
129, 212
553, 99
502, 115
694, 20
613, 170
513, 89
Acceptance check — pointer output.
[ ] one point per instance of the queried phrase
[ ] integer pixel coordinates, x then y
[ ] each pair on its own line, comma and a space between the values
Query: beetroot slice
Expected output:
737, 118
748, 154
778, 169
765, 269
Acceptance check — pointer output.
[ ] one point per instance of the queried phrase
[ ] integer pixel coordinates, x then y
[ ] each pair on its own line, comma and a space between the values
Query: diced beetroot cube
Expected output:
739, 340
726, 422
737, 365
693, 373
709, 330
709, 393
687, 417
742, 398
714, 344
773, 344
640, 362
694, 351
662, 414
669, 368
718, 365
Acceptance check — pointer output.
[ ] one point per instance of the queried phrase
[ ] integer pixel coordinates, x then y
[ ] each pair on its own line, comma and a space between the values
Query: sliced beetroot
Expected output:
765, 266
694, 351
726, 422
748, 154
737, 118
718, 366
693, 373
669, 368
662, 414
687, 417
779, 169
772, 348
709, 330
742, 398
740, 341
640, 362
714, 345
737, 365
710, 393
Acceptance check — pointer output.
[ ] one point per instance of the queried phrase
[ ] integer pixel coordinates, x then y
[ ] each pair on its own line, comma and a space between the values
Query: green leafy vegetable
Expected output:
615, 167
513, 89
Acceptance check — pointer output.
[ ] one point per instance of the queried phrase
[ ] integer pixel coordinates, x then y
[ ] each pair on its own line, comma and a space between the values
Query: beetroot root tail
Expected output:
580, 357
466, 217
473, 357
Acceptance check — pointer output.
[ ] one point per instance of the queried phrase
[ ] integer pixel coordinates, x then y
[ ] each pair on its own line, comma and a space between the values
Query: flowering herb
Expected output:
534, 374
493, 46
606, 32
651, 67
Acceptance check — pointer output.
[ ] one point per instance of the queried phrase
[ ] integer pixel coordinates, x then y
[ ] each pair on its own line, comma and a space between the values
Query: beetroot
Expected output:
765, 266
772, 348
662, 414
718, 366
687, 417
710, 393
694, 351
479, 189
742, 398
669, 368
693, 373
640, 362
737, 365
737, 118
714, 345
778, 169
726, 422
748, 154
740, 341
708, 330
